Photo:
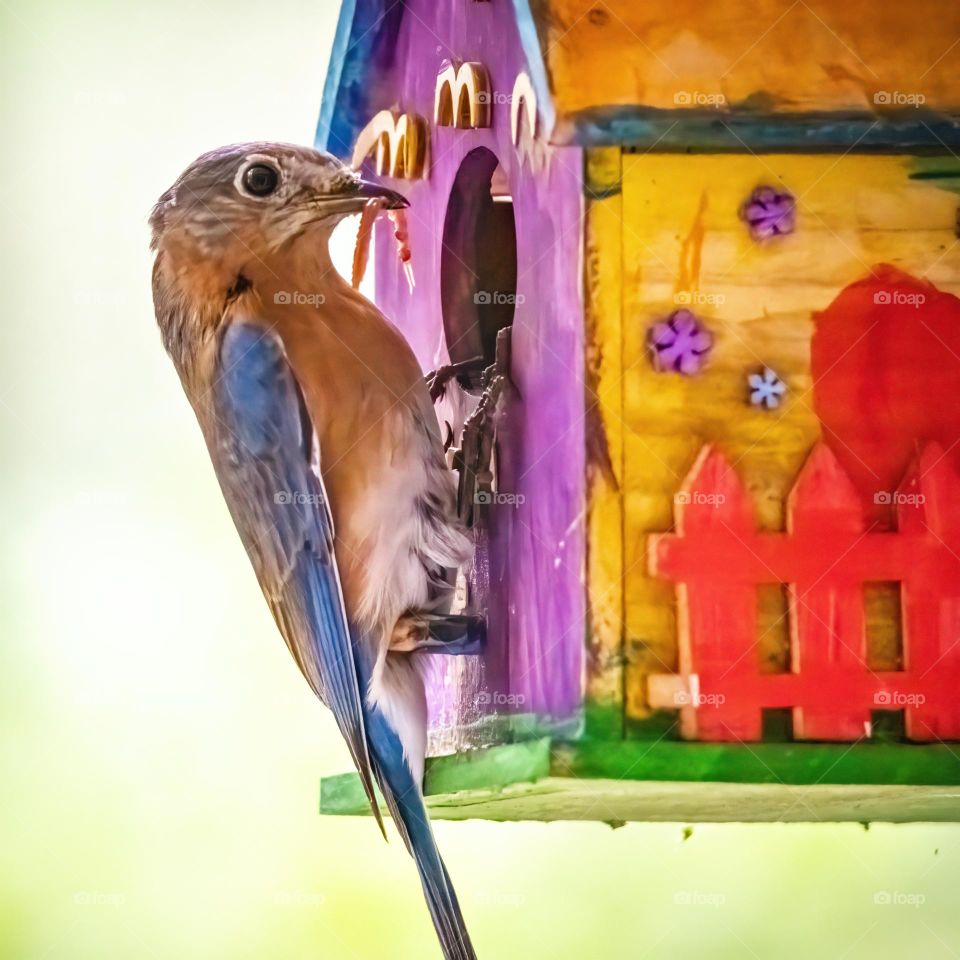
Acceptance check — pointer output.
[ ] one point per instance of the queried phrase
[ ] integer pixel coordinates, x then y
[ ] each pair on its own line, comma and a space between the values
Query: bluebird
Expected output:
326, 446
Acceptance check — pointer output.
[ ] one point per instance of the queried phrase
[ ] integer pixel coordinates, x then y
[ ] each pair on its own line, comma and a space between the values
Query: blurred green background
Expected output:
160, 754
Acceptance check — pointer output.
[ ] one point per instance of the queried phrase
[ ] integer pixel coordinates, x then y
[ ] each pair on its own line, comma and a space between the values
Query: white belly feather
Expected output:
414, 544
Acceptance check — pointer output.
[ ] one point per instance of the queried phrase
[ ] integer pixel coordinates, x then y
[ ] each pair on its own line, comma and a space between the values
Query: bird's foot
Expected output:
438, 380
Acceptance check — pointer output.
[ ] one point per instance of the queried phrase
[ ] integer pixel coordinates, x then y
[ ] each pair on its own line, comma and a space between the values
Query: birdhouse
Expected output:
709, 253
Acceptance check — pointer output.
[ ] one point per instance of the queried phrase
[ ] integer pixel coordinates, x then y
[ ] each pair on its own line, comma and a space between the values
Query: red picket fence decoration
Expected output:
718, 558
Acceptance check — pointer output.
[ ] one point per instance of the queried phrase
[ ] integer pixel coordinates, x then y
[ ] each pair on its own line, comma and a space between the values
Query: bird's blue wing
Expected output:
263, 451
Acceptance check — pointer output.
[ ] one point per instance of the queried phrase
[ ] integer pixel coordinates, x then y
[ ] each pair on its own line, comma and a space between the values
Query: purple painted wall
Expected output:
534, 662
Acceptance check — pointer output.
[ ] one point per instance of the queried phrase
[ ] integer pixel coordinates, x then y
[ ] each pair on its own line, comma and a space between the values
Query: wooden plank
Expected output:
825, 518
489, 769
621, 801
718, 559
616, 781
493, 768
771, 56
685, 245
604, 436
852, 213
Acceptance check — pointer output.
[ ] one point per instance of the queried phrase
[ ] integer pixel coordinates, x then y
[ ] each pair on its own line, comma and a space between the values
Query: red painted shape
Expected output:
717, 557
885, 359
825, 520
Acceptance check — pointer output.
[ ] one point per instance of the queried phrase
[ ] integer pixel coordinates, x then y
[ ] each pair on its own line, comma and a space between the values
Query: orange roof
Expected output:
769, 56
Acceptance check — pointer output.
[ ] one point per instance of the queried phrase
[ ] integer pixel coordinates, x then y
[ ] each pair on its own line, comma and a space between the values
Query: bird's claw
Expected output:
439, 379
474, 459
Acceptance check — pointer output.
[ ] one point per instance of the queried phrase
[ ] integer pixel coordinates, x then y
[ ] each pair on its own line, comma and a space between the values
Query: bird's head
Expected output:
250, 199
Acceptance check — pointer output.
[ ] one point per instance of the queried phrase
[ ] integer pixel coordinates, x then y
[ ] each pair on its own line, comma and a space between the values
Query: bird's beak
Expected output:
353, 197
369, 190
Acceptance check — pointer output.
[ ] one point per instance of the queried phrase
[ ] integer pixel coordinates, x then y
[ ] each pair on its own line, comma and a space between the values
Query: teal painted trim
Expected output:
331, 86
713, 131
537, 68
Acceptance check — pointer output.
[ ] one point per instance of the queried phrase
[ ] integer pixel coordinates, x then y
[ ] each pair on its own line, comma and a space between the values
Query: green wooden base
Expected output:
619, 781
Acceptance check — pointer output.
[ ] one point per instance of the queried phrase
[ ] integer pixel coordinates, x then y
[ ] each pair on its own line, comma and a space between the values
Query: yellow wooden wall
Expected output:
603, 279
673, 225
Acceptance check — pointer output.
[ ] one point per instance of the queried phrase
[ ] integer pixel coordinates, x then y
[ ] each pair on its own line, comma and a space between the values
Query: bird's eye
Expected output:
260, 179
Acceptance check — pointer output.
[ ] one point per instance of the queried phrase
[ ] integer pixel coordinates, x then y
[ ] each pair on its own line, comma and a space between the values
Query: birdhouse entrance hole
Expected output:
478, 263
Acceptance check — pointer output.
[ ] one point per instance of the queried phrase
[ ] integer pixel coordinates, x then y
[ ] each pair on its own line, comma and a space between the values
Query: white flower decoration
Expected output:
766, 389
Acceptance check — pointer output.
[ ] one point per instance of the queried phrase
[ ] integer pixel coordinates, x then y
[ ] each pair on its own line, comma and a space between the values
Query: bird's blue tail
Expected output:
405, 801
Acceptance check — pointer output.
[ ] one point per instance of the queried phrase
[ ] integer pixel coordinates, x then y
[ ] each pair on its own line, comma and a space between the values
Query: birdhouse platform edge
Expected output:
675, 781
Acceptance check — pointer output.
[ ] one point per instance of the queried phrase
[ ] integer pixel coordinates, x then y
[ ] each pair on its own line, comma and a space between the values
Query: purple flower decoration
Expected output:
679, 343
769, 213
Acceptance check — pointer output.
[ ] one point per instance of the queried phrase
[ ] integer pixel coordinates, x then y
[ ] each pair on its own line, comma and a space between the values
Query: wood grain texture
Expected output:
618, 781
773, 55
684, 245
827, 556
604, 433
529, 573
661, 231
